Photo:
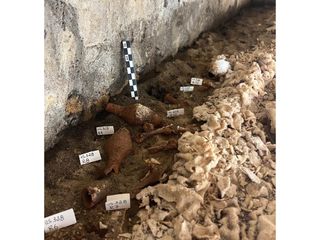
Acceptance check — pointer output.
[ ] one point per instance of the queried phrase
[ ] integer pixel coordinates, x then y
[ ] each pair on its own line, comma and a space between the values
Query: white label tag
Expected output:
105, 130
175, 112
118, 201
196, 81
89, 157
186, 88
59, 220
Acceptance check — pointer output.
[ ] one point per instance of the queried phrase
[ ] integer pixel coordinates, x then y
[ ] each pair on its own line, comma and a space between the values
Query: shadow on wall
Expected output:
263, 2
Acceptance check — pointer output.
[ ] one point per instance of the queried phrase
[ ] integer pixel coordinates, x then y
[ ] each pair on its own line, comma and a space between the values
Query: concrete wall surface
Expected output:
83, 60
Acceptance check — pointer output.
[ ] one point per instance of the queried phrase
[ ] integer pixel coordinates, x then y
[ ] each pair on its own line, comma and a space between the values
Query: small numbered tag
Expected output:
89, 157
175, 112
105, 130
196, 81
186, 88
59, 220
118, 201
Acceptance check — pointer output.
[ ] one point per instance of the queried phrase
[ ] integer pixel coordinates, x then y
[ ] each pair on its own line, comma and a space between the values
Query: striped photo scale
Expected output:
130, 69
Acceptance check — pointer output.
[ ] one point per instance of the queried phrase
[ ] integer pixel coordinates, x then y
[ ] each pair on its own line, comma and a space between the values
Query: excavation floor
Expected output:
65, 178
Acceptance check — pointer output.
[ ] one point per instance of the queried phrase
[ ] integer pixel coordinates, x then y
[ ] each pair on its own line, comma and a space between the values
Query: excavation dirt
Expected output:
220, 181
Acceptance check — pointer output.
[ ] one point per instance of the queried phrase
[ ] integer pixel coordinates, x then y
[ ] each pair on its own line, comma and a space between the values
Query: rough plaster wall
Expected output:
83, 61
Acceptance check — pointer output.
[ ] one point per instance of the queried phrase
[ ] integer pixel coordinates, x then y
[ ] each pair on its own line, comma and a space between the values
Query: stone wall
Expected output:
83, 61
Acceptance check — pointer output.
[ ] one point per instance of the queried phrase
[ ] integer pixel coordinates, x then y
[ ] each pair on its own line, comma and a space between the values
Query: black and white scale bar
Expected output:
130, 69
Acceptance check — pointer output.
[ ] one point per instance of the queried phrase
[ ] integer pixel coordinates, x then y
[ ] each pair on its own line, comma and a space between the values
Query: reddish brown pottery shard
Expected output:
169, 129
153, 176
117, 147
168, 98
135, 114
171, 144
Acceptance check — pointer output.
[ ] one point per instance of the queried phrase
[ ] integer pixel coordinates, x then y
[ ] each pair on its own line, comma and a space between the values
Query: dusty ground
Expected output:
244, 37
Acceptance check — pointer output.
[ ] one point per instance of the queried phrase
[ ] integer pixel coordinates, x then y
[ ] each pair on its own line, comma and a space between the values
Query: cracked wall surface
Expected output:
83, 61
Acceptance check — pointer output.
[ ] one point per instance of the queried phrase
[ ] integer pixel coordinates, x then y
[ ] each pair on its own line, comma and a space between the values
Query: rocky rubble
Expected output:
223, 182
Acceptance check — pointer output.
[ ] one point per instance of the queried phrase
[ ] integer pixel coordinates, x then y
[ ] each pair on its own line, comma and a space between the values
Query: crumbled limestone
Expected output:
225, 171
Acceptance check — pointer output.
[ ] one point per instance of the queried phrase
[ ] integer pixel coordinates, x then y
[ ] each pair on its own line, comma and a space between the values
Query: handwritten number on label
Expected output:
90, 157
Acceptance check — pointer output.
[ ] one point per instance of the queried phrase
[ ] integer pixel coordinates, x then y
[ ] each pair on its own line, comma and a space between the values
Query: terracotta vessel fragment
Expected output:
135, 114
117, 147
171, 144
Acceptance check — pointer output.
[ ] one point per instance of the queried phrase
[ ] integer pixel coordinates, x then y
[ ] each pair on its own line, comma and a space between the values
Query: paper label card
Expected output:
196, 81
118, 201
89, 157
59, 220
186, 88
105, 130
175, 112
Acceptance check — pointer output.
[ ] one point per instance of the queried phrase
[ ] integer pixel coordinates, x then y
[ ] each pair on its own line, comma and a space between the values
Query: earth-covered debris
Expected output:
219, 183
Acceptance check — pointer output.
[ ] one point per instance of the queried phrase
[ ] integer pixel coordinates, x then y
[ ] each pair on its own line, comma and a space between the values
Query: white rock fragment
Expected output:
201, 113
250, 174
223, 184
259, 144
102, 226
182, 229
220, 65
125, 235
152, 161
266, 227
254, 158
154, 228
230, 224
209, 232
